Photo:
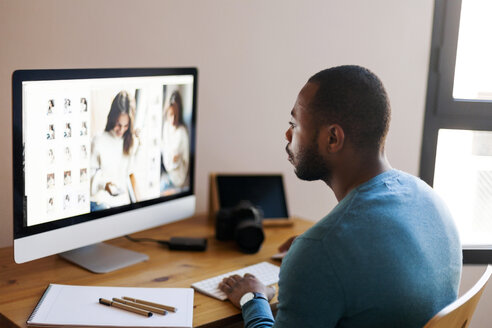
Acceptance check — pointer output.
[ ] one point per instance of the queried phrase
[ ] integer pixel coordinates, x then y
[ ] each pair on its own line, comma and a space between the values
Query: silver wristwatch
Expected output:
249, 296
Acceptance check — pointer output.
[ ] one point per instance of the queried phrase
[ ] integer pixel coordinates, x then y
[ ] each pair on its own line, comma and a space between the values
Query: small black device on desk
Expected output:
177, 243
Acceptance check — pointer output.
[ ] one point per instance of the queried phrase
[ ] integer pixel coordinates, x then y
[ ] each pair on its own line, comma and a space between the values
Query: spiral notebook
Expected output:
78, 306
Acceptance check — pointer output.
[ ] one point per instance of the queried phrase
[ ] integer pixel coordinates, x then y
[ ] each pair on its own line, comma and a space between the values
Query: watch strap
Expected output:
260, 295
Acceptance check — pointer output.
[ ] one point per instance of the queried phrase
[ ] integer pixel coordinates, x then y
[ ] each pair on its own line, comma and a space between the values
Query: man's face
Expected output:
302, 136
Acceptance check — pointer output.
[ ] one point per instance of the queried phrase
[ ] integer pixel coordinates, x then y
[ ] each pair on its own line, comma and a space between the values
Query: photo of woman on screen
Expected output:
111, 155
175, 146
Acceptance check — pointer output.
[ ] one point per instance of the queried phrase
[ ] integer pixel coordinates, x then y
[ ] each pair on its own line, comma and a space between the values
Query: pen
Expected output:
125, 307
157, 305
141, 306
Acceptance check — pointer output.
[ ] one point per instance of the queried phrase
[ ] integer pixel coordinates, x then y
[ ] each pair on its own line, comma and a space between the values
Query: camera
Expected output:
243, 224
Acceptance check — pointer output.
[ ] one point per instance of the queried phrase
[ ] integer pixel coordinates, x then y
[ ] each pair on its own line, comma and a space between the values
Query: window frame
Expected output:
442, 111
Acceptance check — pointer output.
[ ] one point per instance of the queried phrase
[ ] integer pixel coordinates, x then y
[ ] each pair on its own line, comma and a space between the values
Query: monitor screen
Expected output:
89, 145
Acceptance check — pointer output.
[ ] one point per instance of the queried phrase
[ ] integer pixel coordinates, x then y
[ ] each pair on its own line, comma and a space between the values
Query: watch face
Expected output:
246, 298
249, 296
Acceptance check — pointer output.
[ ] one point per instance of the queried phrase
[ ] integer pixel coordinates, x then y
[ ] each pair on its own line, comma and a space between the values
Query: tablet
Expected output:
265, 191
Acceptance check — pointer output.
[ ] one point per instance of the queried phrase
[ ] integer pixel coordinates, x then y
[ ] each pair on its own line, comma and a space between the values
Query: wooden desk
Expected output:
21, 285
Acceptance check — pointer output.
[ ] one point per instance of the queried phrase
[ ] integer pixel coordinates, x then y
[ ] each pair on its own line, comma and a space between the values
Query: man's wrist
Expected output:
247, 297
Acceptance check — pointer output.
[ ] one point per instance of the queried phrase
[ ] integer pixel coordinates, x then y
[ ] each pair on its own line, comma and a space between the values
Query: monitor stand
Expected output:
103, 258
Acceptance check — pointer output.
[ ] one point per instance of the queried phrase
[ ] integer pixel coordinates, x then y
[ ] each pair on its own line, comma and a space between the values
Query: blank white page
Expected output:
67, 305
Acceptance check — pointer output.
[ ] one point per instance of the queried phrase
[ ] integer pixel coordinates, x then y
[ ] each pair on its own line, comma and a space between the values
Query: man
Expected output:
388, 255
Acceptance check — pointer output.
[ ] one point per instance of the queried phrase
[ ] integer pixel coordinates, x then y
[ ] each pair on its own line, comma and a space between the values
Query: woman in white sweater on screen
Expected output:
175, 146
111, 156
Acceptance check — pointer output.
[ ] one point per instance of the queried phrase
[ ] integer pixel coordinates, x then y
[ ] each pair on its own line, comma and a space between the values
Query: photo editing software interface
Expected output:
94, 144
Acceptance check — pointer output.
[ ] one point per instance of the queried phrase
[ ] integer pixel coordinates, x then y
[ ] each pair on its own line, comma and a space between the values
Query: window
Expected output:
457, 142
473, 70
463, 178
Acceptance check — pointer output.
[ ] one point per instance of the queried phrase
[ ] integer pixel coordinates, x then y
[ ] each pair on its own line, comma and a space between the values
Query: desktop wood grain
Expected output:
22, 285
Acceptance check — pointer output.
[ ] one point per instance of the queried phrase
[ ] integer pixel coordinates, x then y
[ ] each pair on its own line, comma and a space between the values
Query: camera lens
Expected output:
249, 236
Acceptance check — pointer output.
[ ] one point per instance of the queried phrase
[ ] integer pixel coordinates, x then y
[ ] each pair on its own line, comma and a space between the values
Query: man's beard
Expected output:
308, 164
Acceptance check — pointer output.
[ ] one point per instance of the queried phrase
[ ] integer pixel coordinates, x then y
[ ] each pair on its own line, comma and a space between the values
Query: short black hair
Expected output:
355, 98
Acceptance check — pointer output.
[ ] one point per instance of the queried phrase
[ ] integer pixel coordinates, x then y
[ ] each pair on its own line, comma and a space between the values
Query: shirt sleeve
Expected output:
257, 314
310, 292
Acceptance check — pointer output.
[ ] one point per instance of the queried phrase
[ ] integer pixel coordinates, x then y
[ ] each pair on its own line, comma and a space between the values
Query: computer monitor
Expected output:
97, 154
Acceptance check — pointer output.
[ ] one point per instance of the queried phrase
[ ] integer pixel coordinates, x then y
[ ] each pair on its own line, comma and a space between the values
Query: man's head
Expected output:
340, 106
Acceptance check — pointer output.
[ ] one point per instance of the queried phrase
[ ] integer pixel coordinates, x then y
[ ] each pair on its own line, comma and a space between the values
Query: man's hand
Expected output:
236, 286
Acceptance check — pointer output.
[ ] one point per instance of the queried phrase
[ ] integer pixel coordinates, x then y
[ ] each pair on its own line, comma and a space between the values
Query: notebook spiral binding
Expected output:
33, 314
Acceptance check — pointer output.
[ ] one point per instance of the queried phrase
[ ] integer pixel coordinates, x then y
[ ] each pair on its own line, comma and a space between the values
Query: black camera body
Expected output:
243, 224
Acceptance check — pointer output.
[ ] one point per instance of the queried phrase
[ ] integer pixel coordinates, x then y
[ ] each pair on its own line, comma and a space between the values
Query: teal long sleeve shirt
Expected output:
388, 255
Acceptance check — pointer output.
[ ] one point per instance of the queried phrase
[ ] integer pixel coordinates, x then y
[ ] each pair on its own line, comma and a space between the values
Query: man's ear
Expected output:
332, 138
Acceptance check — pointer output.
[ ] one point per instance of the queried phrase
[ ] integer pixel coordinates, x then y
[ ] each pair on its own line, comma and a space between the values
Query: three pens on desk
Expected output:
137, 306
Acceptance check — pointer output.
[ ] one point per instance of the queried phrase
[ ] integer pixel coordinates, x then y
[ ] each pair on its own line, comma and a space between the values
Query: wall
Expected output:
253, 57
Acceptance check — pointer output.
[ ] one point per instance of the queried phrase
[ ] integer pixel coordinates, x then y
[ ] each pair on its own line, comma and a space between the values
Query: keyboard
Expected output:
266, 272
